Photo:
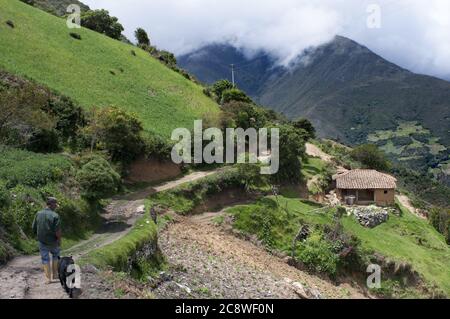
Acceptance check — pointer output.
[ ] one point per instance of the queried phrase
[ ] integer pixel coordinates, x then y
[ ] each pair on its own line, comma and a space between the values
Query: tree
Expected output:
371, 157
245, 115
292, 149
235, 95
306, 125
98, 179
22, 113
118, 132
142, 37
440, 219
101, 22
219, 87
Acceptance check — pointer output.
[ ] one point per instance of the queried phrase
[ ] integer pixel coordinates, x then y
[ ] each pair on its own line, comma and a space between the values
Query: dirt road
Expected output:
213, 263
23, 278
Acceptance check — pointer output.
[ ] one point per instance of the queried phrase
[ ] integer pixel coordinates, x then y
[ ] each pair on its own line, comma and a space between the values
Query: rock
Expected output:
185, 288
371, 216
140, 209
300, 290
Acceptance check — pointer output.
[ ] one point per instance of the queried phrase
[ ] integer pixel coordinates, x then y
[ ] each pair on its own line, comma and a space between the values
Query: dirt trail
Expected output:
215, 263
23, 278
314, 151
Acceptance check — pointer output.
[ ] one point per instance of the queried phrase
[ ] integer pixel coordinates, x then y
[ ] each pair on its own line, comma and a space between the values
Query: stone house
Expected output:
366, 187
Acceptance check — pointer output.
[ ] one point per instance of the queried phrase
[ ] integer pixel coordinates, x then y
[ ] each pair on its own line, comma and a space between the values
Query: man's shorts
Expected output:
45, 253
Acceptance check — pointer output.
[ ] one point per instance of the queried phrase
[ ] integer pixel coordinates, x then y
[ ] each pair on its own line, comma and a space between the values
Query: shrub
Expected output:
167, 57
158, 147
44, 141
101, 22
219, 87
70, 117
133, 53
317, 254
246, 115
292, 148
142, 36
235, 95
75, 35
5, 197
34, 170
440, 219
118, 132
371, 157
10, 24
98, 179
307, 126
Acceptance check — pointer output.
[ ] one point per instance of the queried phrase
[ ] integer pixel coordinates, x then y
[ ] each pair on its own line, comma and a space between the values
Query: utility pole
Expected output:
232, 74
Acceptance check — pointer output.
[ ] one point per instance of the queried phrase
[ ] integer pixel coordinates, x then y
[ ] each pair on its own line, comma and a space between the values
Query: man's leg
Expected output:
55, 259
45, 257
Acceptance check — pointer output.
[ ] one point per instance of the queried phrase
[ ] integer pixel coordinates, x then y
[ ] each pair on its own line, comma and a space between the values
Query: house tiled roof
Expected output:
365, 179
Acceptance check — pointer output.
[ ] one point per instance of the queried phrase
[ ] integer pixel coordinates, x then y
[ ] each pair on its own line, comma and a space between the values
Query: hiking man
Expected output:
47, 226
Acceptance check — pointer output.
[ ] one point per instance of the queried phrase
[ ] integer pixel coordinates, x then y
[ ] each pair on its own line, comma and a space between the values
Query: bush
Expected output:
306, 125
44, 141
70, 117
118, 132
371, 157
440, 219
98, 179
101, 22
5, 197
75, 35
235, 95
10, 24
317, 254
34, 170
246, 115
292, 149
142, 37
221, 86
158, 147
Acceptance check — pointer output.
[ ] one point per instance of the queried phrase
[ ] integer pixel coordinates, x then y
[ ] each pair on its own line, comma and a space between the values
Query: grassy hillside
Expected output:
26, 180
97, 70
402, 239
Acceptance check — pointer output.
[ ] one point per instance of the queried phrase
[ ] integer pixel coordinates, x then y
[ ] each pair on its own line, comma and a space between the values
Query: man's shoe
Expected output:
48, 274
55, 270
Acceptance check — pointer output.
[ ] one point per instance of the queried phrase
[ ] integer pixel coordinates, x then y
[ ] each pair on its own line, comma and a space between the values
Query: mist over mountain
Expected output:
349, 93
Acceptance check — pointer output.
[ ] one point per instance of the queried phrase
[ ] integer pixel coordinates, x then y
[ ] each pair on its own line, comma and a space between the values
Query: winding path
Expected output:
22, 278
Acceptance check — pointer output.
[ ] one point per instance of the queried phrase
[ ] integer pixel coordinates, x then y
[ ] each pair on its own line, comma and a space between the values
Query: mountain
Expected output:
213, 62
351, 95
57, 7
97, 70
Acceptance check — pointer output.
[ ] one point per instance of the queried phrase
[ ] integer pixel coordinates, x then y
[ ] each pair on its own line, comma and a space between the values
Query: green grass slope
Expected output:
41, 48
403, 239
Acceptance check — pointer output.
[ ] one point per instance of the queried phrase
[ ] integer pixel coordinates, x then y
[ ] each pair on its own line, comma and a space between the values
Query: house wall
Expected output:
383, 199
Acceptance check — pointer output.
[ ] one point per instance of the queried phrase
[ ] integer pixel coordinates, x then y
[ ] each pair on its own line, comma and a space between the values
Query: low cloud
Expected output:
414, 33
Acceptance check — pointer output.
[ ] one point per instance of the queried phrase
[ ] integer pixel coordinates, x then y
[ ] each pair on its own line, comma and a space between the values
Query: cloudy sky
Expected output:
412, 33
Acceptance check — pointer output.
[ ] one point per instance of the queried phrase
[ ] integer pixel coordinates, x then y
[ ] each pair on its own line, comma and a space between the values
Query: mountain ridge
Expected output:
352, 95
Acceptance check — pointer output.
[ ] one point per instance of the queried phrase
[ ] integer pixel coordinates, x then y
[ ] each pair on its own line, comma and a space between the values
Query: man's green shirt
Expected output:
46, 224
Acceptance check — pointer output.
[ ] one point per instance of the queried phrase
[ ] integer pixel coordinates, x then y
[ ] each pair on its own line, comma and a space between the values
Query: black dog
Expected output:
63, 272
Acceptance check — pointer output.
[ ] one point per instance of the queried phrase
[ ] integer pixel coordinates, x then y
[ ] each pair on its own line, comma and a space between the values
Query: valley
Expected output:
87, 123
348, 92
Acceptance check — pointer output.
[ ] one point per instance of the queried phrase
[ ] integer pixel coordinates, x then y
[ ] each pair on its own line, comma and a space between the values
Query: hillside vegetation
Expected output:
404, 238
98, 71
26, 180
